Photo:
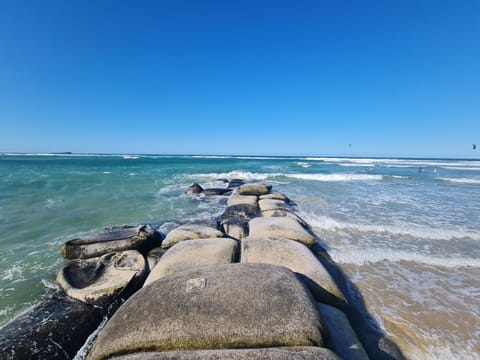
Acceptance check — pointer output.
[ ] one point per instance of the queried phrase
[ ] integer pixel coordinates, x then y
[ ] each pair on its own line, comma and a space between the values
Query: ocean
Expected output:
406, 231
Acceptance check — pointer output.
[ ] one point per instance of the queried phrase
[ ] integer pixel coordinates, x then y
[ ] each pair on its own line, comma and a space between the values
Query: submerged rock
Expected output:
217, 191
217, 307
54, 329
190, 232
141, 238
194, 189
100, 281
283, 353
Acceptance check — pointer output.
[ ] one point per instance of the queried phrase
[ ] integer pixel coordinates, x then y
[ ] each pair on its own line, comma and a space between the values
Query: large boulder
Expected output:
341, 337
271, 204
283, 227
219, 307
99, 281
285, 353
298, 258
235, 227
285, 212
254, 189
189, 232
56, 328
277, 196
244, 211
141, 238
236, 199
189, 254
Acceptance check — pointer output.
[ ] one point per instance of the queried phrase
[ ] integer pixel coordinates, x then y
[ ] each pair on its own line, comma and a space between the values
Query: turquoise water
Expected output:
406, 231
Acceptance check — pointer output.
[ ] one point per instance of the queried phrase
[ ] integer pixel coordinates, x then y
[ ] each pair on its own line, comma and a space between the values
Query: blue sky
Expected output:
391, 78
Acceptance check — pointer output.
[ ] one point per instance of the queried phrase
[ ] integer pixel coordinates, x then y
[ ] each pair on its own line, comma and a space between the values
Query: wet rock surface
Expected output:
141, 238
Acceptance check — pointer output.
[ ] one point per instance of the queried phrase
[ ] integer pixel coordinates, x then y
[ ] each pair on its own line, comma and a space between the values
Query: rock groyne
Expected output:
258, 285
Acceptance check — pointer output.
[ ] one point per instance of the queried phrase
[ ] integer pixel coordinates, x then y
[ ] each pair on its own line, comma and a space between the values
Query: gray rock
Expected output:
194, 189
190, 254
189, 232
99, 281
141, 238
235, 183
286, 353
298, 258
277, 196
56, 328
341, 337
285, 213
219, 307
283, 227
236, 199
254, 189
154, 256
244, 211
217, 191
271, 204
235, 227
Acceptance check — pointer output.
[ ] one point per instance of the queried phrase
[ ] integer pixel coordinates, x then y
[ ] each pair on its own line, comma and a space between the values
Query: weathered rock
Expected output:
285, 213
271, 204
244, 211
254, 189
189, 254
285, 353
217, 191
194, 189
283, 227
154, 256
141, 238
235, 227
219, 307
277, 196
234, 183
298, 258
54, 329
189, 232
341, 337
99, 281
237, 199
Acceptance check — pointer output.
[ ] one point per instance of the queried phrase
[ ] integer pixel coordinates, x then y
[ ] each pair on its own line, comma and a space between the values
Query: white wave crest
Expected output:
303, 164
362, 256
462, 180
244, 175
133, 157
327, 223
335, 177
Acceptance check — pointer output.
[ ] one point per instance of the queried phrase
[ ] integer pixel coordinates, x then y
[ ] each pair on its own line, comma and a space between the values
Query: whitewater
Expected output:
406, 231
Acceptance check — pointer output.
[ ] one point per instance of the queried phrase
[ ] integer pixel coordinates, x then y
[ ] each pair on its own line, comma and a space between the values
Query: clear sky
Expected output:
391, 78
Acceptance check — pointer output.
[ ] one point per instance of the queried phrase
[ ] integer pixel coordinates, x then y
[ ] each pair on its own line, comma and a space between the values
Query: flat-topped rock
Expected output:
341, 337
99, 281
286, 353
235, 227
244, 211
236, 199
276, 196
285, 212
254, 189
189, 232
271, 204
231, 306
283, 227
189, 254
298, 258
141, 238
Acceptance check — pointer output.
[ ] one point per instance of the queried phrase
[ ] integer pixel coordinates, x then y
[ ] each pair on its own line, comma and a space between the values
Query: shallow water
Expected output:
405, 231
